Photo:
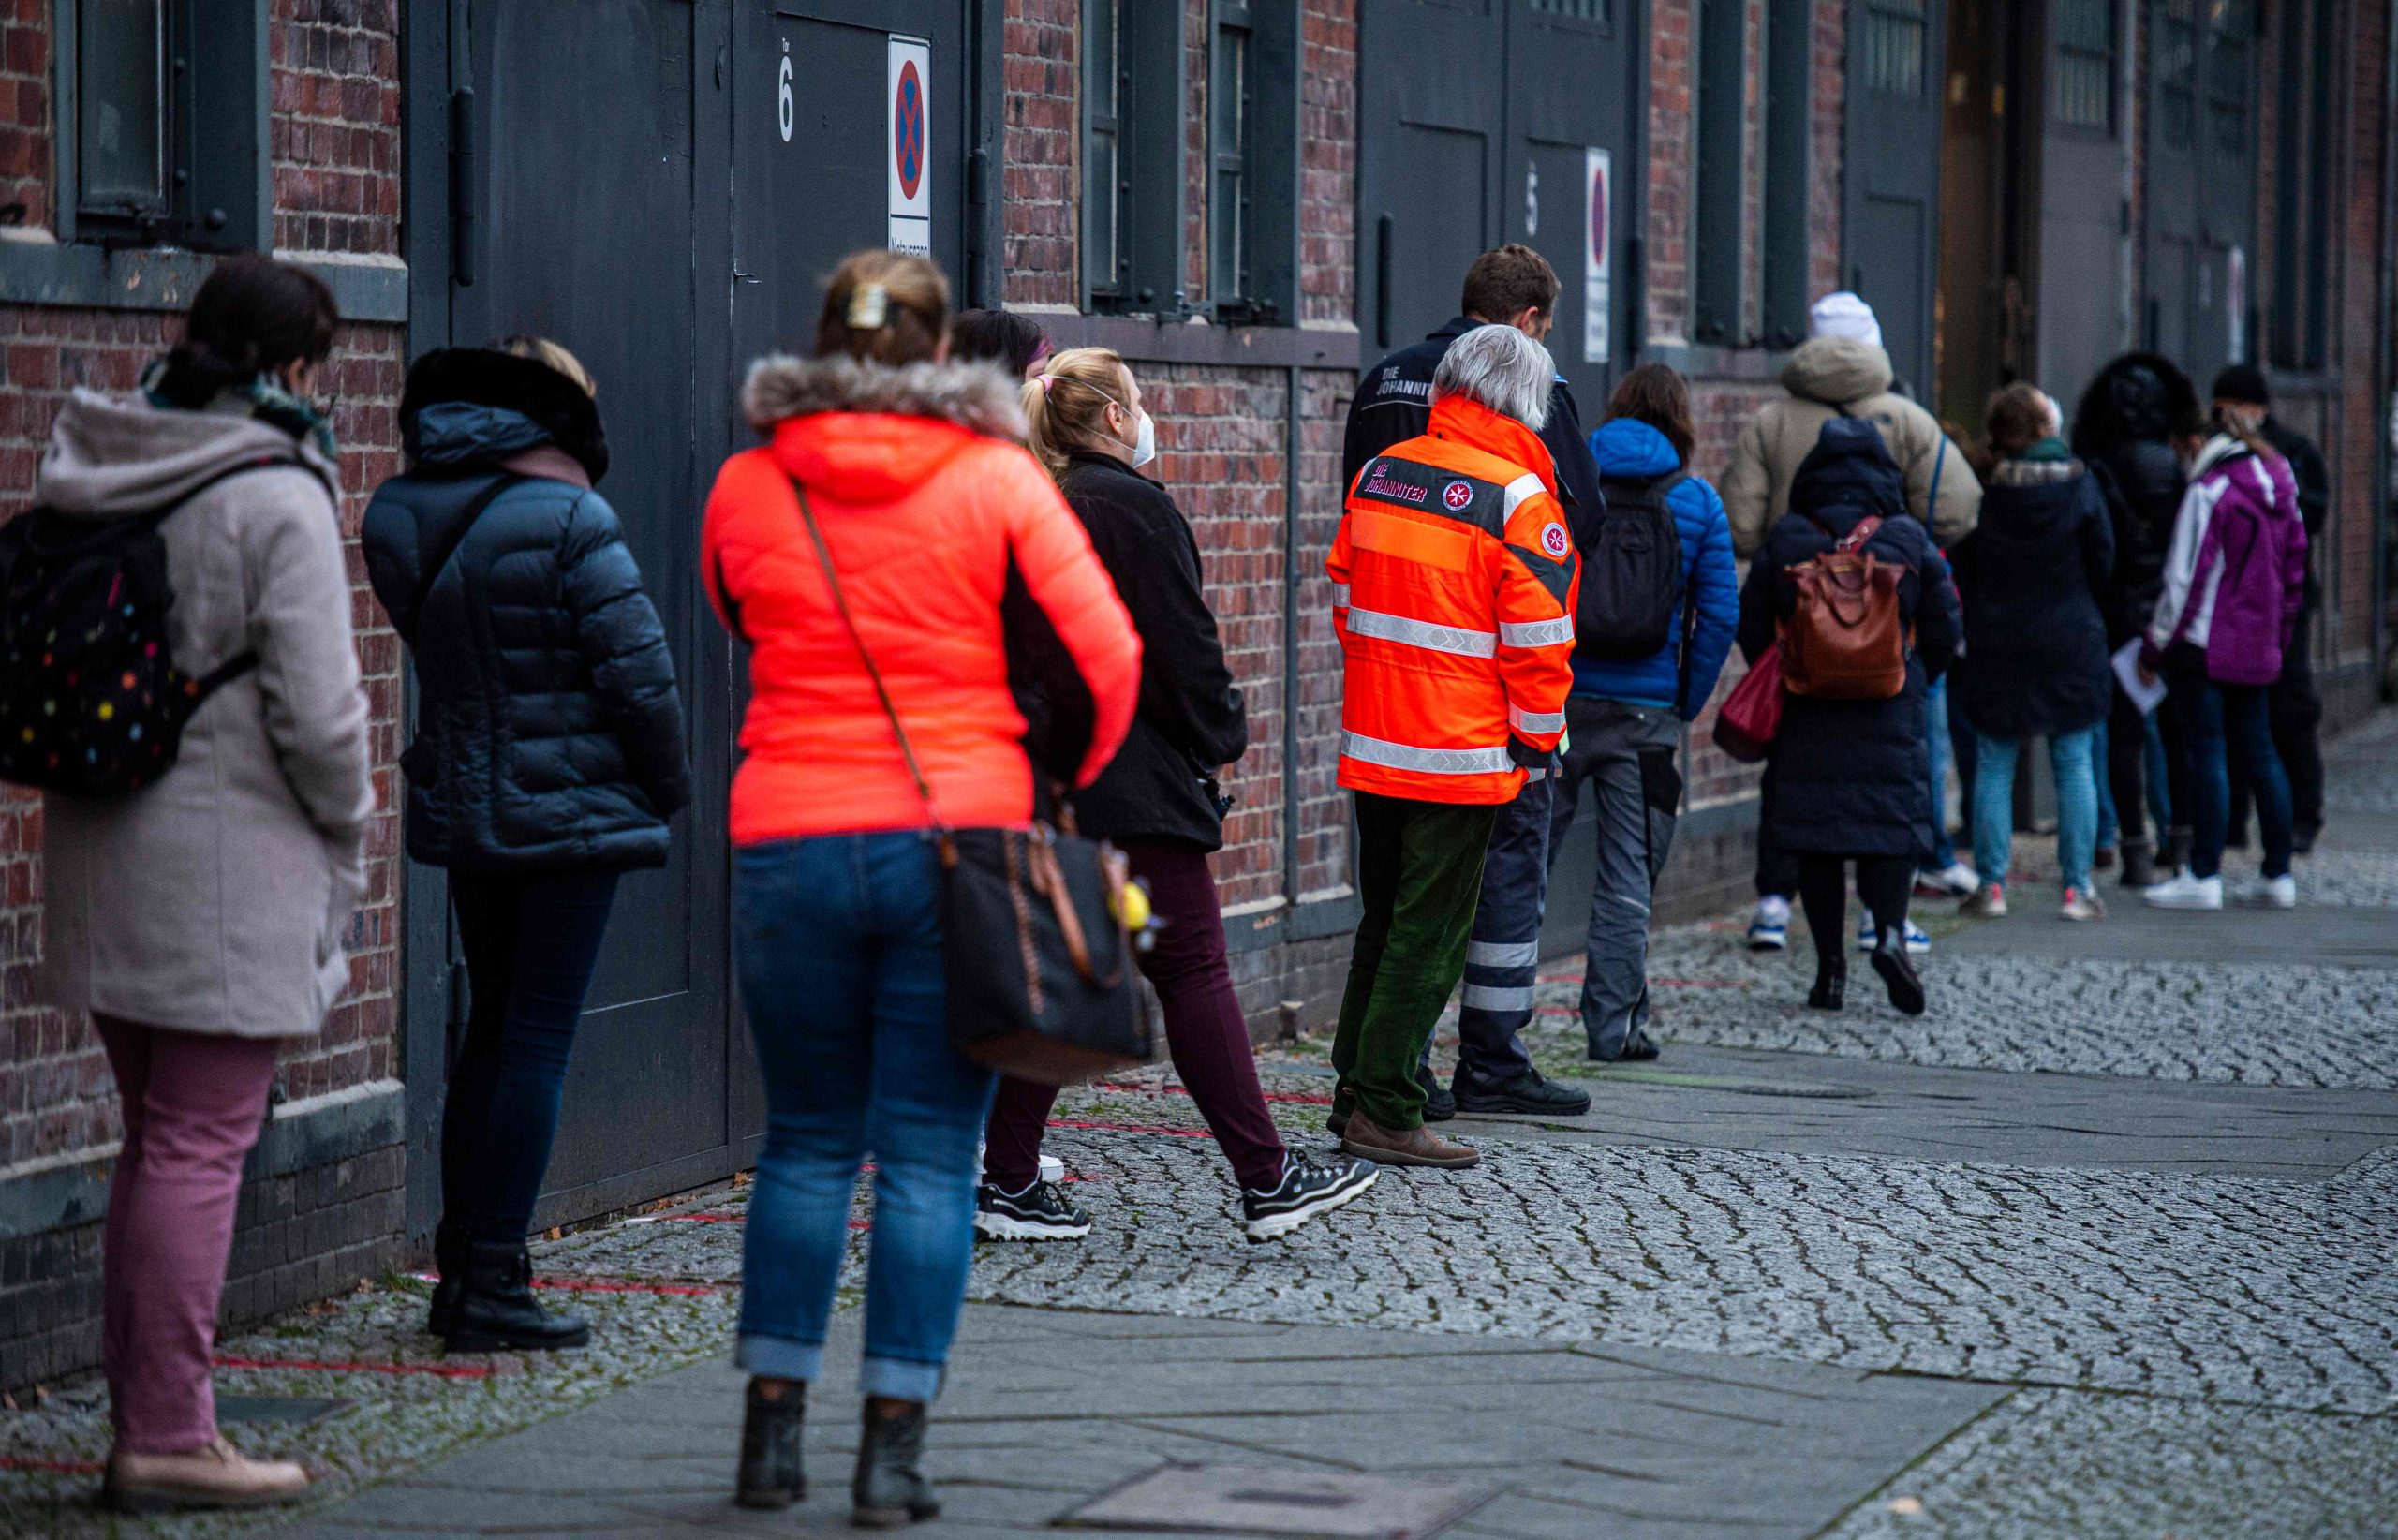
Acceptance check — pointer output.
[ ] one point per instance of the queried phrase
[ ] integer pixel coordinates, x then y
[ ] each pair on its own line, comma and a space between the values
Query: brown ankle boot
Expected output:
1416, 1146
215, 1475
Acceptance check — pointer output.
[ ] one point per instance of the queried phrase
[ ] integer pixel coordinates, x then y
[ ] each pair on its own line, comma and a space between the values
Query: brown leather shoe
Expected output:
215, 1475
1416, 1146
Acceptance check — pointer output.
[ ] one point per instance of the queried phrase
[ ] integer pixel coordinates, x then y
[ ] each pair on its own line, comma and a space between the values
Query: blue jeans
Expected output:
2111, 833
2069, 757
1936, 740
532, 940
2159, 773
838, 940
2219, 721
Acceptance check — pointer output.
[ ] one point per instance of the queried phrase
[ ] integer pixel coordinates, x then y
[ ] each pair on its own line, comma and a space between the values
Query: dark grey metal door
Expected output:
2085, 154
1431, 135
2201, 183
1897, 62
586, 227
823, 129
1572, 159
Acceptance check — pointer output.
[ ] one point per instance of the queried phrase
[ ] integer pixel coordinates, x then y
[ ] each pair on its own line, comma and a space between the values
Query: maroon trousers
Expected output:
1205, 1031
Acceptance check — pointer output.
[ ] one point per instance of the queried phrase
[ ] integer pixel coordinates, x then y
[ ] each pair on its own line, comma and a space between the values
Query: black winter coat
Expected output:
1394, 404
2314, 482
1191, 720
2030, 576
1852, 777
2122, 430
549, 731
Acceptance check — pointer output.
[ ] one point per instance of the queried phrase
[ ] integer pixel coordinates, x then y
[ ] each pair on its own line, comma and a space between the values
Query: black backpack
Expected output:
91, 701
1632, 571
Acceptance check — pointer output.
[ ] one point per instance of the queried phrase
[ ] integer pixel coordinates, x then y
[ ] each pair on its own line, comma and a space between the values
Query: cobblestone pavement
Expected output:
2098, 1331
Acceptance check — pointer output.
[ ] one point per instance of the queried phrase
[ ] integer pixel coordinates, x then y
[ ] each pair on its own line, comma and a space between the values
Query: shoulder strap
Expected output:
459, 529
881, 692
1939, 460
240, 663
1856, 539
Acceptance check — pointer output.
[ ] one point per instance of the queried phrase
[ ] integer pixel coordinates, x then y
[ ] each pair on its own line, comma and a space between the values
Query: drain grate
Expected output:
294, 1410
1265, 1500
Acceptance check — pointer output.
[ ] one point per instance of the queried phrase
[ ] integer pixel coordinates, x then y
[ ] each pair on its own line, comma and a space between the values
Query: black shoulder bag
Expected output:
1035, 952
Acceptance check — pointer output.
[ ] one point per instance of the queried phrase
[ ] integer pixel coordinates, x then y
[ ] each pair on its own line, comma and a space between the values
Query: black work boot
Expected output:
497, 1310
450, 1262
2140, 864
1831, 983
771, 1476
1528, 1095
891, 1487
1440, 1104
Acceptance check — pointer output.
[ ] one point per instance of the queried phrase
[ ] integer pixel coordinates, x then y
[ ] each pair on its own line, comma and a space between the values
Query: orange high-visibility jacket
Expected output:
1453, 583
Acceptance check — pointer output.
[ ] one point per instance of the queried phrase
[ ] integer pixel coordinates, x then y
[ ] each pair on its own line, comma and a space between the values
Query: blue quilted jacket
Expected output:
1626, 447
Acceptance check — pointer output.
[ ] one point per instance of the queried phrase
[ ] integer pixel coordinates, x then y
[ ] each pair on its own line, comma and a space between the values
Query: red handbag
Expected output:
1752, 714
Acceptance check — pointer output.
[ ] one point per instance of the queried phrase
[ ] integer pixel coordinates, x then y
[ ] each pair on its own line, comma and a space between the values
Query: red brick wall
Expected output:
1672, 148
334, 80
1040, 171
1824, 165
1328, 162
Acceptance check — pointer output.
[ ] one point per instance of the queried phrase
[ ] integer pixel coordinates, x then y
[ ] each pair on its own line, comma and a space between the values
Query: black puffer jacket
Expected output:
1191, 720
1852, 777
2123, 431
549, 731
2030, 575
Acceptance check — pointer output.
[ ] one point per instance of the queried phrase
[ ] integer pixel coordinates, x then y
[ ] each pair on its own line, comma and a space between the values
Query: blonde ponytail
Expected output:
1067, 403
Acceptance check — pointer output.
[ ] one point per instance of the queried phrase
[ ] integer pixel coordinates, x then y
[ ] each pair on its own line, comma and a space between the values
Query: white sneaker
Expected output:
2267, 893
1919, 938
1770, 931
2186, 891
2082, 904
1955, 881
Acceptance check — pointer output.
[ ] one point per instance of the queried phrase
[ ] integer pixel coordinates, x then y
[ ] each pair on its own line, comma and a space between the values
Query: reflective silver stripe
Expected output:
1526, 485
1534, 633
1492, 997
1340, 596
1423, 633
1535, 721
1432, 762
1502, 954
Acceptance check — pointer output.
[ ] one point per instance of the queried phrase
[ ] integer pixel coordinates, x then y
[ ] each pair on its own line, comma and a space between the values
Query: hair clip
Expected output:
1046, 380
869, 307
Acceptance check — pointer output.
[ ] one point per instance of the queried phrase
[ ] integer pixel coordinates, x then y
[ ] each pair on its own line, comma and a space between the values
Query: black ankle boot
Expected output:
450, 1263
1898, 973
496, 1309
2140, 864
771, 1476
891, 1487
1831, 984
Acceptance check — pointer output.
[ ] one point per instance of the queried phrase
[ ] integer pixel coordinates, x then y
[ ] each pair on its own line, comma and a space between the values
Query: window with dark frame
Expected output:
2177, 63
2231, 25
1716, 245
1105, 263
1789, 133
141, 87
1896, 33
2082, 90
2302, 212
1133, 72
1579, 11
1229, 117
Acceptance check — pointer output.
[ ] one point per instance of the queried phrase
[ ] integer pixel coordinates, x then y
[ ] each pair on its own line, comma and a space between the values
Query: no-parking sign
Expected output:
1597, 266
910, 160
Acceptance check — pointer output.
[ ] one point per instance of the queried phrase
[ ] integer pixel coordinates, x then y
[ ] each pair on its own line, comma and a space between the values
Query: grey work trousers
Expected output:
1624, 756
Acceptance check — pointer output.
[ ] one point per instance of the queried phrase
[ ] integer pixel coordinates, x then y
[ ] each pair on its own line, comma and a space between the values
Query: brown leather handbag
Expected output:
1845, 640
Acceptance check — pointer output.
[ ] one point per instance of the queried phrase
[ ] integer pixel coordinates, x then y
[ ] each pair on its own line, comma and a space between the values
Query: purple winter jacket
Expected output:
2236, 572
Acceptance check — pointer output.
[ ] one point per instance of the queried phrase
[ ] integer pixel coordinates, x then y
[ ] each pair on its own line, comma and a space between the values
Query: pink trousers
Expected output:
193, 1106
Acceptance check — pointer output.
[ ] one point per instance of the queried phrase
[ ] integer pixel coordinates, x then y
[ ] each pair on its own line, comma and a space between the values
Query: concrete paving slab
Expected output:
1649, 1430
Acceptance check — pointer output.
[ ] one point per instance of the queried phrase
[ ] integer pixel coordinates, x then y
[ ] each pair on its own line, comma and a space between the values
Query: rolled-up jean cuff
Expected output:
779, 1358
900, 1380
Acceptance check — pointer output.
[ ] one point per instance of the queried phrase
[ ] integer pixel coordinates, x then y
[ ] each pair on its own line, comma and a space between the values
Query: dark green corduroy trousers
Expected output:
1419, 876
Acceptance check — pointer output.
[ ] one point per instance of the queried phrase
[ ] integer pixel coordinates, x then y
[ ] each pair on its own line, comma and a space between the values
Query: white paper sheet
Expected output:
2140, 691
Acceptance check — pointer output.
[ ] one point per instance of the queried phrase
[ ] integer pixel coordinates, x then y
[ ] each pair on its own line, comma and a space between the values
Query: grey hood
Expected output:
980, 396
110, 456
1837, 371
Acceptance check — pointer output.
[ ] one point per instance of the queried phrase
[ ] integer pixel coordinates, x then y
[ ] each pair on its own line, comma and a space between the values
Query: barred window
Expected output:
1896, 32
2177, 63
2083, 88
1581, 10
2230, 25
1228, 120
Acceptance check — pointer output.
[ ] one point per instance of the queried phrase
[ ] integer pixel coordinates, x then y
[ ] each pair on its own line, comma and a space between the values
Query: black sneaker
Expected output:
1526, 1095
1040, 1212
1308, 1186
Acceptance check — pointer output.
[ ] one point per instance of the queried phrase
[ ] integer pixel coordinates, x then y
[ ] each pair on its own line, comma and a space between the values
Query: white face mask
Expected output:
1145, 441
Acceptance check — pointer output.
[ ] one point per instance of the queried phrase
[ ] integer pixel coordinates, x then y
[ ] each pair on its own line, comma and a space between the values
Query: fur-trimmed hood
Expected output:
868, 433
466, 408
977, 396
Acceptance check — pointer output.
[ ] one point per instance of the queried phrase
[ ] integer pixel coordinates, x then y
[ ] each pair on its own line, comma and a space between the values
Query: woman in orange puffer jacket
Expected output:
927, 502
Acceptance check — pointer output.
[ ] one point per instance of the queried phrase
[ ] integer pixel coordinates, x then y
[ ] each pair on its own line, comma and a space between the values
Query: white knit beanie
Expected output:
1842, 313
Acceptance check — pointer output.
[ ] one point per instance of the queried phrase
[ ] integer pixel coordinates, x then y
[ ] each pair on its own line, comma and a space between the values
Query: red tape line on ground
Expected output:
61, 1467
1132, 1128
447, 1372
